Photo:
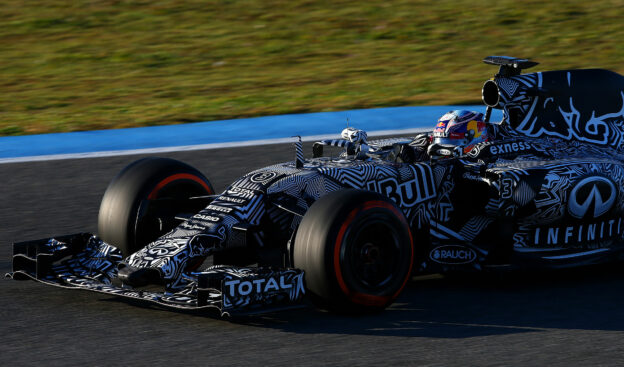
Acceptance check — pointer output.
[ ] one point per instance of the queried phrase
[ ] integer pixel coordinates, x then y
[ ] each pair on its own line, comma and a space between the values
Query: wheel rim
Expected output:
372, 255
373, 226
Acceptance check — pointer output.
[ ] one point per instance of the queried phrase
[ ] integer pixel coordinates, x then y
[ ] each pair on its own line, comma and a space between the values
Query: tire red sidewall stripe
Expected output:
356, 297
178, 176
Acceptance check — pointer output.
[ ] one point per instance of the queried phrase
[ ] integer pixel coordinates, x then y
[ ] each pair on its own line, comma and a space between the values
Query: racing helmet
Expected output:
461, 128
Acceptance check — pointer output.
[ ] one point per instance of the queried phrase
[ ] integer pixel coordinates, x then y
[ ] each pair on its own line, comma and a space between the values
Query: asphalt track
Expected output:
561, 318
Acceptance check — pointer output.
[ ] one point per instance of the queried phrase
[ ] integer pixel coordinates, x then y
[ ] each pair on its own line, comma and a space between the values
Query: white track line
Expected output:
249, 143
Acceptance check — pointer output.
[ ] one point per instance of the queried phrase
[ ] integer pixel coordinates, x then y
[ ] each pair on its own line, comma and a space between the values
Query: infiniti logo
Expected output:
263, 177
595, 195
158, 251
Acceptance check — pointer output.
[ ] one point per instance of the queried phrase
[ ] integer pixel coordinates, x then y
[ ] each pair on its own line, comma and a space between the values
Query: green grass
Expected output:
81, 65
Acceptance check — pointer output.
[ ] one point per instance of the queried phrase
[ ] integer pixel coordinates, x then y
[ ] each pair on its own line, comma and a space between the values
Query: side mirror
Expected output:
443, 151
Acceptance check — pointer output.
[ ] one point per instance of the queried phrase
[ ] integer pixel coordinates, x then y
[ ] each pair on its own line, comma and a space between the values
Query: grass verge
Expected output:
82, 65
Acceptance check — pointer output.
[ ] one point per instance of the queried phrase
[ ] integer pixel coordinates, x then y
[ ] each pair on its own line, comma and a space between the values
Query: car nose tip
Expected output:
138, 277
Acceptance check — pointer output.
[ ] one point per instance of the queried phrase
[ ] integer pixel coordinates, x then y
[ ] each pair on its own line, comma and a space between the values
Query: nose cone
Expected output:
138, 277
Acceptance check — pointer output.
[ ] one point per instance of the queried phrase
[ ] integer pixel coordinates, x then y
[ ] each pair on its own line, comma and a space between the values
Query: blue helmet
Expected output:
461, 128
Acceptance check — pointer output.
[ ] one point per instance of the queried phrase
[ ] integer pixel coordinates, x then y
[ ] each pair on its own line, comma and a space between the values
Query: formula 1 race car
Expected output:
545, 190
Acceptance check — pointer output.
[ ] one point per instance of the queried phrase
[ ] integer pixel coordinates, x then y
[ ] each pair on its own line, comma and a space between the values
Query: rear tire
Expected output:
356, 250
126, 219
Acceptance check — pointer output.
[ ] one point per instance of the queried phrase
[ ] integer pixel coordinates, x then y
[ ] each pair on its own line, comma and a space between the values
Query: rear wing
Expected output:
509, 66
584, 105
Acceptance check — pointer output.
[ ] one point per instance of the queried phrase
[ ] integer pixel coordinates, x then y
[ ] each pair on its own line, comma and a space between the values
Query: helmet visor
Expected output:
449, 141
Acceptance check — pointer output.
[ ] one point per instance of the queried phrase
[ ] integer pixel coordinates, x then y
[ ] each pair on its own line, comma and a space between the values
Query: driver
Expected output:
462, 129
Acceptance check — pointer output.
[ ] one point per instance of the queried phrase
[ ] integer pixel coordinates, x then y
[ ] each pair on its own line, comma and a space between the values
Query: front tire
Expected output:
127, 217
356, 250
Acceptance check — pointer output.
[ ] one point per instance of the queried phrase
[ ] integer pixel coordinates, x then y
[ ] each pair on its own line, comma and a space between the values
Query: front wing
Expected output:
82, 261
